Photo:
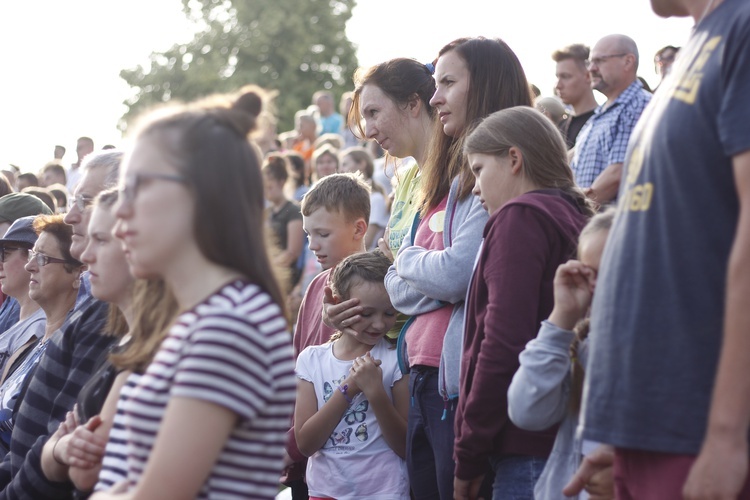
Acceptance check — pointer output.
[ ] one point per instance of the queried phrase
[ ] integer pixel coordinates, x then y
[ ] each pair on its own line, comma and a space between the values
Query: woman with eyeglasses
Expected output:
54, 282
14, 279
209, 416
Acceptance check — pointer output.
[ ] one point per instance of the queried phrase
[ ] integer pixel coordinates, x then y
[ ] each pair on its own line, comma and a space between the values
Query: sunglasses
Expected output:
5, 252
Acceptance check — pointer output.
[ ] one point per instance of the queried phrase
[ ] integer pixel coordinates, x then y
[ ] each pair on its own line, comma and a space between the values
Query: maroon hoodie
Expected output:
509, 296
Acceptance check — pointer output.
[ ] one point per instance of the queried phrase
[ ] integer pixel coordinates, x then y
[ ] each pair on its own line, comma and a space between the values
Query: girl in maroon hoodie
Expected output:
523, 180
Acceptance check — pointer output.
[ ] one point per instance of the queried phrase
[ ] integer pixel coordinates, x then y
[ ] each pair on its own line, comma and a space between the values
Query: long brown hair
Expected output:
545, 156
496, 81
208, 143
154, 310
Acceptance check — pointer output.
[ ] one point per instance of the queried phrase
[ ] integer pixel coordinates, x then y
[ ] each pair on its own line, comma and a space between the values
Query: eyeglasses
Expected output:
81, 202
42, 259
596, 61
6, 251
134, 182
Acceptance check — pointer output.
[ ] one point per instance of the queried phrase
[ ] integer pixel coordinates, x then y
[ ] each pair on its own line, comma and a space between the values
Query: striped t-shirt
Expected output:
234, 350
115, 462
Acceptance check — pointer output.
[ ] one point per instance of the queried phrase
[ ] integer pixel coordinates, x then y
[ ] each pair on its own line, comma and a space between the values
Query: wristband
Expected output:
342, 390
54, 447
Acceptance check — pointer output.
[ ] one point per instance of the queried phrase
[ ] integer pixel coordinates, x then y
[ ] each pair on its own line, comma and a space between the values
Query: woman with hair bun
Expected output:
208, 417
391, 106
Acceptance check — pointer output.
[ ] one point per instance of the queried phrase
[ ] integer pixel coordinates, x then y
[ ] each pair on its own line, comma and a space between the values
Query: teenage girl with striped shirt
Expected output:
208, 417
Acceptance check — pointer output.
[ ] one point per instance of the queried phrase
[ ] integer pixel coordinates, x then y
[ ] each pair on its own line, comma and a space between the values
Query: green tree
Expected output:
294, 46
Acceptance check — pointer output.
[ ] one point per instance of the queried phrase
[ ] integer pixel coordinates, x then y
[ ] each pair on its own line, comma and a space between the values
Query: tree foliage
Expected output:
294, 46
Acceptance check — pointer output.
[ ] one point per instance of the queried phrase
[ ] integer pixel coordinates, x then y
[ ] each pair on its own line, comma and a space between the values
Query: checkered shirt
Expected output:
604, 139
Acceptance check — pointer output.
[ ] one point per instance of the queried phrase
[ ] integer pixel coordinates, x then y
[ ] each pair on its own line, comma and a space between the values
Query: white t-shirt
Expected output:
379, 214
355, 462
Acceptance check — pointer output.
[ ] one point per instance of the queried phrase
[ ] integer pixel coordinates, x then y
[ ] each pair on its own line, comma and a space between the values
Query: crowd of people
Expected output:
452, 288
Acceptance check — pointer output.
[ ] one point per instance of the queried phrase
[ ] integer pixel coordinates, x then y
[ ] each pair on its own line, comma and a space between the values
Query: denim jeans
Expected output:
429, 438
515, 476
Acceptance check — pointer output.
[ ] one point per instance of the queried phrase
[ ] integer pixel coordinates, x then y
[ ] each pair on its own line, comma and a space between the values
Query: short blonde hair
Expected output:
346, 193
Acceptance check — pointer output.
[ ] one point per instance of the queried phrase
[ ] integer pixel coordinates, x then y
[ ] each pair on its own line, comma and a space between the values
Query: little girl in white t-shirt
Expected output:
352, 400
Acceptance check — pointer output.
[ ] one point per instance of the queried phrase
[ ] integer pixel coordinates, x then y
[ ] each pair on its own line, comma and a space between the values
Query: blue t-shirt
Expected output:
657, 316
331, 124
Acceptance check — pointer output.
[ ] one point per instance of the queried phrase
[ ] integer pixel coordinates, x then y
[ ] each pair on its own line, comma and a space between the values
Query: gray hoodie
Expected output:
538, 398
428, 279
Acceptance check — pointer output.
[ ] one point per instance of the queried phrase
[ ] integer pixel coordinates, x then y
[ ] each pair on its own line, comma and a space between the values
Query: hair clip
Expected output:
430, 67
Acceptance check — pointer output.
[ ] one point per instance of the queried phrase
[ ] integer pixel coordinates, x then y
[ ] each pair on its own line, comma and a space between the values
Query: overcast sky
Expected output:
61, 59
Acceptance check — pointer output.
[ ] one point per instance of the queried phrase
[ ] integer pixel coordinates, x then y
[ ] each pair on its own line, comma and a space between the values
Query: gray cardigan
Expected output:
538, 398
428, 279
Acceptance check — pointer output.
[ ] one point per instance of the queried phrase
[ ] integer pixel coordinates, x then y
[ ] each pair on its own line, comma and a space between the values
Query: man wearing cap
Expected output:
14, 251
16, 205
12, 207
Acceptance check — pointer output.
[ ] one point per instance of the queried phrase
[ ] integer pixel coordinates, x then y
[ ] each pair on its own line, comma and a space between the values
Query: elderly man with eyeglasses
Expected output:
601, 144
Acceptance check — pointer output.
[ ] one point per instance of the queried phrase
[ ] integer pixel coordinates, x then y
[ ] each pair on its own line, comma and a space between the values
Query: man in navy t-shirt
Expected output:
675, 277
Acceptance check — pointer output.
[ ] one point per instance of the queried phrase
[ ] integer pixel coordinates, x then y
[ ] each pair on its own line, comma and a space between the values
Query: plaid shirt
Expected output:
604, 139
66, 366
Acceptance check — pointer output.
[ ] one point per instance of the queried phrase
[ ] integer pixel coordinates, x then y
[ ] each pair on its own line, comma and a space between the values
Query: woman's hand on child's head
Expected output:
340, 315
574, 288
86, 449
367, 374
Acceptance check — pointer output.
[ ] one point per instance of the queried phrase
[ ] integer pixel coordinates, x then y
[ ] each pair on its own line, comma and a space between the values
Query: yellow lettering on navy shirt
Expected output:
635, 163
637, 197
687, 88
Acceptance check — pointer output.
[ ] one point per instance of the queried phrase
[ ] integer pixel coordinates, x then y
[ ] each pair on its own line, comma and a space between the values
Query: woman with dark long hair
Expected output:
474, 77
